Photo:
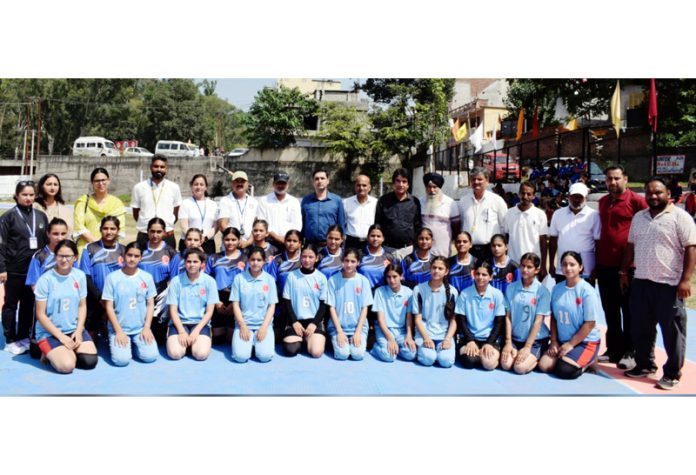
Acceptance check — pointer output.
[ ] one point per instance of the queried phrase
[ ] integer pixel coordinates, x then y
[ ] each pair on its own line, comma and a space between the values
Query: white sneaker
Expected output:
14, 348
10, 347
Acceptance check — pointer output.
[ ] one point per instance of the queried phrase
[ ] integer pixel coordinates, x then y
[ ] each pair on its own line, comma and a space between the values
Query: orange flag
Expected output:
520, 124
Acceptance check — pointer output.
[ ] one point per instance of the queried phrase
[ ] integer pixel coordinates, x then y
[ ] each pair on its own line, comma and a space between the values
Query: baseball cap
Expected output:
240, 175
578, 189
281, 176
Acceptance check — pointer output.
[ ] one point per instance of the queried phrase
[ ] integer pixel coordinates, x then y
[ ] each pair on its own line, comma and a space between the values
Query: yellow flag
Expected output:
461, 134
520, 124
616, 108
572, 124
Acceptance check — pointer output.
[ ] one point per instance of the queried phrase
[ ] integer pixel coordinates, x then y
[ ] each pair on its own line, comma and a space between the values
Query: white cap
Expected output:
578, 189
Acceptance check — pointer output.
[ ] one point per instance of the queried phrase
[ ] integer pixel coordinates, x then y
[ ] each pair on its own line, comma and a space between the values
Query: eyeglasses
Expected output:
65, 257
26, 183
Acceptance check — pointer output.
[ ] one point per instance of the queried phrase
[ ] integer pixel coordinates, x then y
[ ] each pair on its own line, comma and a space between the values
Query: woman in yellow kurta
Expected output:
91, 208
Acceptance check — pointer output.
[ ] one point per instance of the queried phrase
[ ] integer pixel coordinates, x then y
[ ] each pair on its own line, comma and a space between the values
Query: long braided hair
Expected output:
449, 303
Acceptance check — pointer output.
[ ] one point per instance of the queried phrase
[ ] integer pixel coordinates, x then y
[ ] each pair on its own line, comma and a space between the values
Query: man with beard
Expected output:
574, 228
281, 210
662, 243
238, 209
616, 210
360, 213
156, 197
527, 228
321, 210
440, 213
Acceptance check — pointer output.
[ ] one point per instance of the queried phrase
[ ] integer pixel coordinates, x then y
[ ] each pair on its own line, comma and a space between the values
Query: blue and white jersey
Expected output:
416, 270
42, 261
372, 265
177, 265
304, 292
62, 294
460, 275
280, 268
573, 306
480, 311
268, 248
394, 305
254, 295
192, 298
431, 305
224, 268
156, 262
130, 294
98, 261
348, 296
525, 305
504, 275
329, 263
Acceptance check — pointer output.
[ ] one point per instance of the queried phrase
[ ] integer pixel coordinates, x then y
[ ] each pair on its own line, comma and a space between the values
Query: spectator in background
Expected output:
674, 187
440, 213
281, 210
321, 210
360, 213
399, 214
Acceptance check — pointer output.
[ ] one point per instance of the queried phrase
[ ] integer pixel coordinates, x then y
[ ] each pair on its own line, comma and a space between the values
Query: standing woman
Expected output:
91, 208
61, 310
22, 233
199, 212
49, 199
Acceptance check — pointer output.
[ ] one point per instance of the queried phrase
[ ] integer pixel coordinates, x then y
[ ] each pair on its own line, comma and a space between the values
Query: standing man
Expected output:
156, 197
616, 210
360, 213
440, 213
482, 213
527, 228
662, 243
238, 209
575, 227
399, 214
281, 210
321, 210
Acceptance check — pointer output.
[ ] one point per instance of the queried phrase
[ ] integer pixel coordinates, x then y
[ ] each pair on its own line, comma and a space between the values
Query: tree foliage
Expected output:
277, 116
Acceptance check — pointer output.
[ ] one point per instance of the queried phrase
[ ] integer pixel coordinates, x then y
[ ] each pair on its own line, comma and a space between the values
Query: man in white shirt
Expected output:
527, 228
281, 210
238, 209
576, 227
156, 197
440, 214
360, 213
482, 213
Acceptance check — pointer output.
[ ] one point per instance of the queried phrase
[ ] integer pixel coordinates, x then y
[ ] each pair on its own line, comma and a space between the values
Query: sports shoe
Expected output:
608, 357
637, 372
626, 362
15, 348
667, 383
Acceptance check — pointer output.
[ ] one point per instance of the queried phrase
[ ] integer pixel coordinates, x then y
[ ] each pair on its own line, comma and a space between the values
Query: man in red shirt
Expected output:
616, 210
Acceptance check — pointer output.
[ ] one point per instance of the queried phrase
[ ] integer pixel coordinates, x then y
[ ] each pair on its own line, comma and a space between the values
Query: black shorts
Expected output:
289, 331
221, 320
479, 344
50, 342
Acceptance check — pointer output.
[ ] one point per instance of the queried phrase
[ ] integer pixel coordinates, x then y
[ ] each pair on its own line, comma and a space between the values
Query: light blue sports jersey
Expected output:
62, 294
42, 261
192, 298
431, 305
348, 297
394, 305
480, 311
571, 307
525, 305
130, 294
305, 292
254, 295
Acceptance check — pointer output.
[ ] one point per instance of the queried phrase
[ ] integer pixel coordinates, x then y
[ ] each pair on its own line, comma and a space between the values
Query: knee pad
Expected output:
292, 349
565, 370
86, 361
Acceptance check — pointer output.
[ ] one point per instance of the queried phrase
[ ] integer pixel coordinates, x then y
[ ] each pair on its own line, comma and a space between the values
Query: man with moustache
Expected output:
360, 213
440, 213
399, 214
238, 209
281, 210
527, 228
321, 210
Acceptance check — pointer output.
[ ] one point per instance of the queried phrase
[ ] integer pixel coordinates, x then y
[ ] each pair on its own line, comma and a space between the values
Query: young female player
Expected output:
157, 256
259, 236
575, 307
375, 258
392, 304
526, 334
191, 299
254, 297
61, 310
331, 257
416, 266
224, 267
192, 238
304, 305
280, 268
349, 296
505, 271
99, 259
433, 311
480, 317
199, 212
129, 302
461, 265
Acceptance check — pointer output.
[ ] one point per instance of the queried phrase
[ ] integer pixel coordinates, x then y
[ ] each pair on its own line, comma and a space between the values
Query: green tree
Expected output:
277, 116
346, 132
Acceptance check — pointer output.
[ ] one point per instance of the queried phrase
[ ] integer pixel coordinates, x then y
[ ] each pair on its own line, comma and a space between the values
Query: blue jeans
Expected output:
428, 357
349, 349
264, 349
147, 353
380, 351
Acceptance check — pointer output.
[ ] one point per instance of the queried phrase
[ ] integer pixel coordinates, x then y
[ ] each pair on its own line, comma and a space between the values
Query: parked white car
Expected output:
137, 152
173, 148
94, 147
237, 152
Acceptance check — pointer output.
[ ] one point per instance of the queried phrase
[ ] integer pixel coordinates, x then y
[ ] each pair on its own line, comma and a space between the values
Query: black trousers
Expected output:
482, 252
16, 292
355, 243
657, 304
142, 240
617, 310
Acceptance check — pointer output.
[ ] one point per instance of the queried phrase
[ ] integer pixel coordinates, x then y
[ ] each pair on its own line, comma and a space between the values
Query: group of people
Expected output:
427, 279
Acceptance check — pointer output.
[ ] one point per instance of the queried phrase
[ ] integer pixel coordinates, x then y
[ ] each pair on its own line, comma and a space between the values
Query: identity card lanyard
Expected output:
33, 242
202, 213
241, 214
156, 199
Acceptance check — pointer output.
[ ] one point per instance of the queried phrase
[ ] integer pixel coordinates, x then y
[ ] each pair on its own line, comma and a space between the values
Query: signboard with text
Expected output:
670, 164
